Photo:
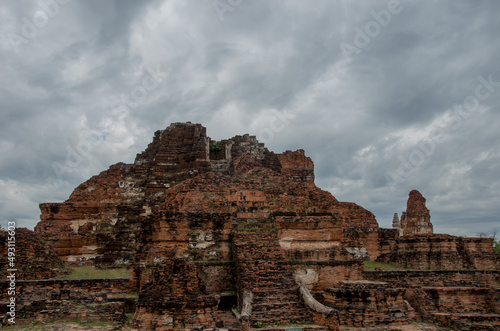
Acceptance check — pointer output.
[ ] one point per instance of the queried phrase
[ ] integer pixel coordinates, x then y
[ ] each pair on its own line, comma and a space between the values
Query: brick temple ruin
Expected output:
205, 226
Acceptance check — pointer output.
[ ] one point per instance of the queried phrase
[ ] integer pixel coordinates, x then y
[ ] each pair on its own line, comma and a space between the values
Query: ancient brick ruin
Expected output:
417, 218
417, 247
206, 226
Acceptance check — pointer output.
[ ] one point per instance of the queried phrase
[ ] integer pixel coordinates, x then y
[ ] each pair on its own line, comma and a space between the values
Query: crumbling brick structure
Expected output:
180, 173
417, 218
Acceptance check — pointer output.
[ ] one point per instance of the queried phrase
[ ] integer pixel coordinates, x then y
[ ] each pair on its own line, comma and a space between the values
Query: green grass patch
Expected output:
497, 247
90, 272
372, 265
35, 325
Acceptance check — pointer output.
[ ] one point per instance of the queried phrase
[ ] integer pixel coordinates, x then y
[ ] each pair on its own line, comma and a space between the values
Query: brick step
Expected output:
272, 275
258, 228
247, 236
263, 228
259, 255
256, 285
270, 272
252, 264
260, 244
304, 327
262, 285
456, 288
249, 261
251, 239
264, 265
242, 228
277, 298
492, 317
253, 221
247, 273
270, 290
296, 311
261, 266
275, 305
250, 268
278, 282
282, 318
258, 293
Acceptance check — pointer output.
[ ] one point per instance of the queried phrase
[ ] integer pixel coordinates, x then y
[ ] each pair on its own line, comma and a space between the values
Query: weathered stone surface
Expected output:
34, 258
416, 219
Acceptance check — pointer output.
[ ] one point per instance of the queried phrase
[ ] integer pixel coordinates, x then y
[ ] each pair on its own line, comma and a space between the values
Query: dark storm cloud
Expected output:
74, 95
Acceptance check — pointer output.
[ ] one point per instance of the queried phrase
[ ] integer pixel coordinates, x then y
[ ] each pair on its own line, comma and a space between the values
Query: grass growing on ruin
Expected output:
35, 325
372, 265
89, 272
497, 247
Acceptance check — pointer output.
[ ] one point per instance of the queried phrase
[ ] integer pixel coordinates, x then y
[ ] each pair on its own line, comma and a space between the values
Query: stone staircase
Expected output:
262, 269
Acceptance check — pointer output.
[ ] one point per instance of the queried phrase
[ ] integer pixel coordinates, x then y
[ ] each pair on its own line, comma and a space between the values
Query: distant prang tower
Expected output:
416, 219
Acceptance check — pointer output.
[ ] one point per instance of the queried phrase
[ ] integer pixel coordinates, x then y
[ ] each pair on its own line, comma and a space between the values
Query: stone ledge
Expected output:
48, 282
428, 272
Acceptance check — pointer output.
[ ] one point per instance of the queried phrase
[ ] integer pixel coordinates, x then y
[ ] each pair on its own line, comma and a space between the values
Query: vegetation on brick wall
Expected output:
214, 147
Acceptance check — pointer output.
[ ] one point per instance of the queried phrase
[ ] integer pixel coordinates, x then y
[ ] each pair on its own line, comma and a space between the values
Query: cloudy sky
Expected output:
384, 96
